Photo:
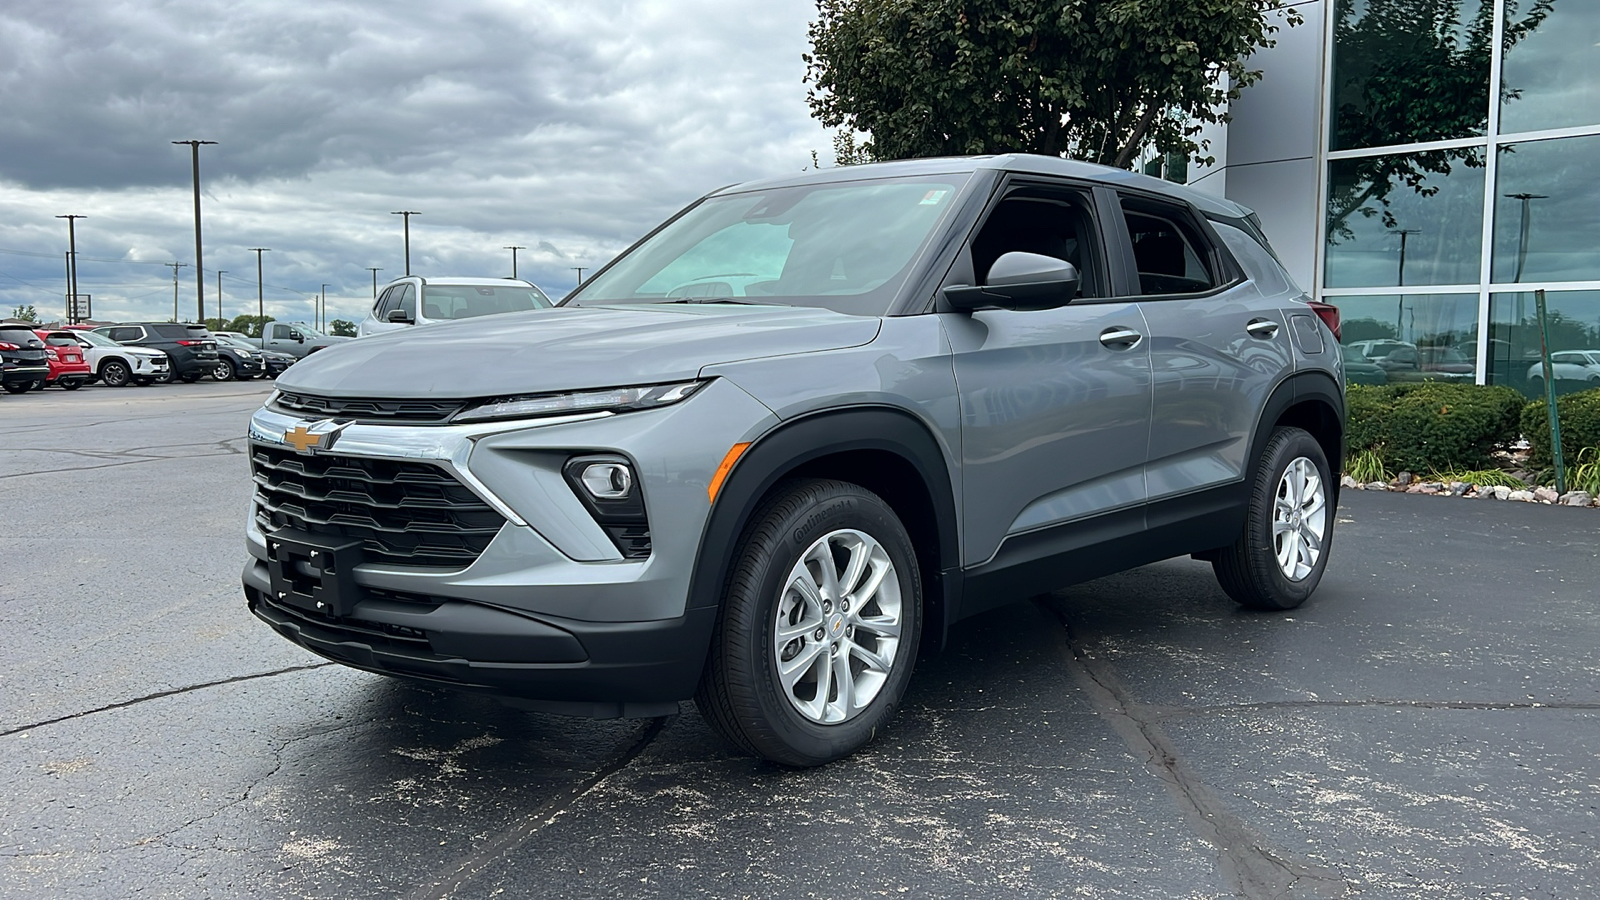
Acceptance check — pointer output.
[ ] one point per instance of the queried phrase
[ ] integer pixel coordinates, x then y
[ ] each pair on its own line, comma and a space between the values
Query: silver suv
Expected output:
794, 436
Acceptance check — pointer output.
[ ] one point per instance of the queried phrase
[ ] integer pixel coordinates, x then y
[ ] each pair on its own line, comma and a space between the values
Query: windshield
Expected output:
846, 247
468, 301
234, 342
97, 339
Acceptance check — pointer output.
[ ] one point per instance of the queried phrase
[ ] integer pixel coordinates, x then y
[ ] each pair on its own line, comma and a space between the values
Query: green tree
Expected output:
25, 313
250, 325
342, 328
1092, 79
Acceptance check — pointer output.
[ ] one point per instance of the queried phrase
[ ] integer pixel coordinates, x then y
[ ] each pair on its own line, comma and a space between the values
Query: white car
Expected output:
119, 365
1570, 365
415, 300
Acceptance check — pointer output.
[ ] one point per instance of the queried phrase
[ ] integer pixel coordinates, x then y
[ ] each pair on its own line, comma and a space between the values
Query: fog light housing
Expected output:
608, 488
607, 480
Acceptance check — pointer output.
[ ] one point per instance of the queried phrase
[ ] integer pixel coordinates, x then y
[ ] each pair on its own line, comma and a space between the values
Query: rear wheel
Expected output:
1279, 558
71, 384
115, 373
819, 627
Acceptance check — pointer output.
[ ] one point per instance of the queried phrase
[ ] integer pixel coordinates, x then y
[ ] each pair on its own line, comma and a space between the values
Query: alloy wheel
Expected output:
1299, 519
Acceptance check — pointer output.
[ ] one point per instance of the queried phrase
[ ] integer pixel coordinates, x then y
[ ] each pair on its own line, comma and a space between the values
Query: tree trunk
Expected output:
1136, 140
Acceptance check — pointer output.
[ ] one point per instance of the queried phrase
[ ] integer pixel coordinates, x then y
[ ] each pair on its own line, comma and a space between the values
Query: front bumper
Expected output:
549, 612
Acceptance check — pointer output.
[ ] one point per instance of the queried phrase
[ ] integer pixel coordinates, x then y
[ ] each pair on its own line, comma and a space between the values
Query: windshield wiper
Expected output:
722, 300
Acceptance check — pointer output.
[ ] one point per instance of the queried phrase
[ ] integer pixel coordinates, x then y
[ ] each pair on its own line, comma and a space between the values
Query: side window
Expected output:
123, 334
1055, 223
1169, 251
280, 332
408, 301
385, 303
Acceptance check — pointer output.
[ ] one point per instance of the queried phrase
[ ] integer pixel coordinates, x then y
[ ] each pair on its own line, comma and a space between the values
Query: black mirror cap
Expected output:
1020, 281
398, 315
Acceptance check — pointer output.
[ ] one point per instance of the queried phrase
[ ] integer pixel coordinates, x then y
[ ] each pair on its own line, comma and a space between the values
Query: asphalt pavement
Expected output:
1426, 725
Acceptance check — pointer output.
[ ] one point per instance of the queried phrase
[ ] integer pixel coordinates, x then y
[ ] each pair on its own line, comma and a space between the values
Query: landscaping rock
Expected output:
1404, 479
1502, 493
1524, 496
1576, 498
1429, 488
1458, 488
1486, 493
1349, 482
1545, 495
1377, 486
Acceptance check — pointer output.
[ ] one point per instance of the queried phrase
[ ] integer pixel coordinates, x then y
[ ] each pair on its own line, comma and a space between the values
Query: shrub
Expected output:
1433, 426
1580, 426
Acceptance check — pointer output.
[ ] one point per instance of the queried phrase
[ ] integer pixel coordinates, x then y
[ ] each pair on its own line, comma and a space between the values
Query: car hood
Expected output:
570, 348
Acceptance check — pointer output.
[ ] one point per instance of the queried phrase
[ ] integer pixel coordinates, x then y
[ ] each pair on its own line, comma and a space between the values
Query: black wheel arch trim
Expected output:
795, 442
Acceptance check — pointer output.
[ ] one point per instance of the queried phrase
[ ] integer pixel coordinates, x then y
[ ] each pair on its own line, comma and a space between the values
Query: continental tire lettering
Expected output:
799, 535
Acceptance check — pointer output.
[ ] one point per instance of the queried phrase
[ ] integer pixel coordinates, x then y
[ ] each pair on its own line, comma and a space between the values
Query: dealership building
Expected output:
1426, 165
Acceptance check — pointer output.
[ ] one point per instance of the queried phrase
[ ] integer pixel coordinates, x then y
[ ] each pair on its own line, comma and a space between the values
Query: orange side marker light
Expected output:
734, 452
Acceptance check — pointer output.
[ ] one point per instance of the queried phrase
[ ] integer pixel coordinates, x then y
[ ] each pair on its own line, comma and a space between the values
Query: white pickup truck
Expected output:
294, 338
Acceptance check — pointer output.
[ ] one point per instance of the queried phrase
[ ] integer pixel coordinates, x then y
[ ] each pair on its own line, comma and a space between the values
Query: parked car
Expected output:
1569, 365
961, 382
415, 300
1360, 370
118, 366
272, 362
237, 363
68, 368
1378, 349
24, 365
1428, 364
191, 350
294, 338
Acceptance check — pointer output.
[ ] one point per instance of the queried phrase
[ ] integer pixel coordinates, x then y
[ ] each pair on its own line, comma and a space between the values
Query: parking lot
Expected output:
1425, 726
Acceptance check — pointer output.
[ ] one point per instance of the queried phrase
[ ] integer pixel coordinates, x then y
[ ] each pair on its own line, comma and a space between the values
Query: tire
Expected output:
192, 377
18, 387
115, 373
224, 370
1273, 564
38, 385
71, 384
775, 605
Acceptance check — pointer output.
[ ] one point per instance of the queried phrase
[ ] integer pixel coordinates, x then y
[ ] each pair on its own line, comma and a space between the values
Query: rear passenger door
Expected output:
1217, 346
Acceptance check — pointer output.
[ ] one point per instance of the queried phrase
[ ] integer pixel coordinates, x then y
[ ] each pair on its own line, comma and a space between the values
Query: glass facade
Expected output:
1459, 180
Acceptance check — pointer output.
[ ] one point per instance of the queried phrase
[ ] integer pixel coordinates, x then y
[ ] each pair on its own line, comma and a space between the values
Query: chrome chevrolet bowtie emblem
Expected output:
304, 440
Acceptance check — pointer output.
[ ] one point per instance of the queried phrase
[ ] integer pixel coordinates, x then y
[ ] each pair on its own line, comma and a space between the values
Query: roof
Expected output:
463, 279
1031, 163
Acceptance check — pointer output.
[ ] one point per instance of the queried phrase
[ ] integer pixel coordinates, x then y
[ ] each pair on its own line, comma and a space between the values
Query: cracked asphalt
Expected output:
1426, 726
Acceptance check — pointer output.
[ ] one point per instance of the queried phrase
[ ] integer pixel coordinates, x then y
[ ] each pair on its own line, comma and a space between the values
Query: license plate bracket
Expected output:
315, 573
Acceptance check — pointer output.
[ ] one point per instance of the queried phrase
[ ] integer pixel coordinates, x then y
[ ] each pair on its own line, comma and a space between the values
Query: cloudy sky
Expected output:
569, 128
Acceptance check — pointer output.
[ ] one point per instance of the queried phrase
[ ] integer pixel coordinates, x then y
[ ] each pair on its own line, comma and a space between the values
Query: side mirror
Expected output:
298, 337
398, 316
1020, 281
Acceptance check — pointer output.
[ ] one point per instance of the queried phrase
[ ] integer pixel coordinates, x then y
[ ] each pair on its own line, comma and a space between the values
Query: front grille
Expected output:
367, 410
383, 635
405, 513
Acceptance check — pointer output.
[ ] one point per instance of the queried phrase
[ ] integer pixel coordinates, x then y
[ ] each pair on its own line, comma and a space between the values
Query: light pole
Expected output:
1401, 277
1522, 231
175, 267
220, 273
407, 214
261, 312
72, 266
323, 308
199, 269
374, 270
514, 248
579, 270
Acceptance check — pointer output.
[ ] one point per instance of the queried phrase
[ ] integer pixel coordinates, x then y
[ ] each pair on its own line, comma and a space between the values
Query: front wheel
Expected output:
819, 626
18, 387
224, 370
1280, 556
192, 377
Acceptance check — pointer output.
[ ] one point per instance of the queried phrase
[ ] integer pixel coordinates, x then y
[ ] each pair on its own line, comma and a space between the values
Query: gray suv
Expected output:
798, 433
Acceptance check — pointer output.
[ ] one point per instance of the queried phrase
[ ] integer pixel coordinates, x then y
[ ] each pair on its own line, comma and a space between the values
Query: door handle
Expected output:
1118, 338
1262, 328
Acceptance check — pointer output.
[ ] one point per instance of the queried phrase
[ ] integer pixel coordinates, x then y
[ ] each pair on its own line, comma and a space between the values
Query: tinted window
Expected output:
408, 301
466, 301
22, 337
125, 333
60, 340
280, 332
1168, 250
385, 302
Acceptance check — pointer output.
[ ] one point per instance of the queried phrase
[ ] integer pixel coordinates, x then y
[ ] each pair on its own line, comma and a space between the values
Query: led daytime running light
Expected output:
608, 400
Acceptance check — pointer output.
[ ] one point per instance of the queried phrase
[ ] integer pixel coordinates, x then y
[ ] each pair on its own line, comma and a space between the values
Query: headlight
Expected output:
621, 399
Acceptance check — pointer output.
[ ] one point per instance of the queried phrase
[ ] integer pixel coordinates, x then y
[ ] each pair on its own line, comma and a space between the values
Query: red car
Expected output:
68, 368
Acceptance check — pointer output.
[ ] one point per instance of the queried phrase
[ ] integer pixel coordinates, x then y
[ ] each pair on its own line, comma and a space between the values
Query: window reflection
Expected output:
1573, 322
1551, 65
1405, 219
1406, 71
1547, 211
1413, 337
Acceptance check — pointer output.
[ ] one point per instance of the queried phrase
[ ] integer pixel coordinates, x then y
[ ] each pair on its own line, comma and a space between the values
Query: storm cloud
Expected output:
567, 128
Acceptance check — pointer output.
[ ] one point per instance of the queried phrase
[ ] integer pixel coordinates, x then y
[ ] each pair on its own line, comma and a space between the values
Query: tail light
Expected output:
6, 346
50, 353
190, 343
1329, 314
